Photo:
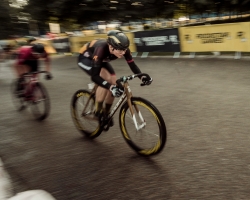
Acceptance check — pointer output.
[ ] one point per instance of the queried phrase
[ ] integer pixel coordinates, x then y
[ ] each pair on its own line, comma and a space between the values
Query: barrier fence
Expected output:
233, 37
157, 41
222, 37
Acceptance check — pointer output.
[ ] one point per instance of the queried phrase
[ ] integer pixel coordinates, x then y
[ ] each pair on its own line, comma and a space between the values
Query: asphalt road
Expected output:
204, 102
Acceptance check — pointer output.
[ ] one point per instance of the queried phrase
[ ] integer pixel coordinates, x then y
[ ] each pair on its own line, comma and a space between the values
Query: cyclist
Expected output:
28, 61
94, 59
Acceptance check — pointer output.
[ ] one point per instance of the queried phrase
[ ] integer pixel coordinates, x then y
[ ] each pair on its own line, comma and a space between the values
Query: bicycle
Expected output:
137, 115
33, 94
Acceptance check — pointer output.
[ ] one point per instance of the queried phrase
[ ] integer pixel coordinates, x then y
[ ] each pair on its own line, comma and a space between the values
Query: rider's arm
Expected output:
146, 80
47, 62
47, 66
134, 68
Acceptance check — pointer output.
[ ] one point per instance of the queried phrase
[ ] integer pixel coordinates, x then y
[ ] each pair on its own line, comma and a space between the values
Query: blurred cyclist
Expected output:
28, 61
94, 59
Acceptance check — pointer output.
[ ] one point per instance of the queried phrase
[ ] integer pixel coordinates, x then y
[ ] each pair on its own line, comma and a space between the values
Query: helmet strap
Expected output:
111, 48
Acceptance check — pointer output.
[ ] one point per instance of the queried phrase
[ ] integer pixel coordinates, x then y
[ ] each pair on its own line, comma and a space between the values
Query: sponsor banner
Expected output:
220, 37
166, 40
54, 28
77, 42
61, 45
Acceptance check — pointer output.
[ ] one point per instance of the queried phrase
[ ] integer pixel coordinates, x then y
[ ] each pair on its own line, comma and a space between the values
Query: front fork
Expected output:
30, 84
138, 126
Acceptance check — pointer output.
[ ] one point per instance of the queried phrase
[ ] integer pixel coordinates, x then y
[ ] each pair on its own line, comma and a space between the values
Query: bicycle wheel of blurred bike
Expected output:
39, 101
17, 96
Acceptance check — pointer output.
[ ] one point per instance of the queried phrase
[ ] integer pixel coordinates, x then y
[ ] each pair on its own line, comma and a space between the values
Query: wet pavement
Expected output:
205, 105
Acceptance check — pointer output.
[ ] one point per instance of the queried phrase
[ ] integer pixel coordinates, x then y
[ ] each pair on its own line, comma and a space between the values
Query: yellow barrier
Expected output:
131, 37
47, 44
221, 37
77, 42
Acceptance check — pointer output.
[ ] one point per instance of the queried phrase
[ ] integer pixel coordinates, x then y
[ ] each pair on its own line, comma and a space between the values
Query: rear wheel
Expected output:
17, 98
40, 103
145, 131
82, 112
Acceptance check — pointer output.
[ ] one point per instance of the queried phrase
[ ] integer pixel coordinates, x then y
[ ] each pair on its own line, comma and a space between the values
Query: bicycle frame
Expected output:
126, 95
113, 111
30, 79
145, 138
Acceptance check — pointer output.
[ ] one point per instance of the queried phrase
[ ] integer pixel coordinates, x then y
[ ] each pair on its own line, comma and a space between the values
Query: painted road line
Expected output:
134, 54
144, 55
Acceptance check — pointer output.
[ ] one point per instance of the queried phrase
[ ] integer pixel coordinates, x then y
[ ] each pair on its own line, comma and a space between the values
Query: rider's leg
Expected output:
20, 69
103, 94
106, 73
109, 99
85, 64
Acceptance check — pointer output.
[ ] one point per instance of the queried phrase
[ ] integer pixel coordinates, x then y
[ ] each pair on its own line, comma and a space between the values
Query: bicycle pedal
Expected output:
106, 127
22, 108
19, 94
34, 102
111, 122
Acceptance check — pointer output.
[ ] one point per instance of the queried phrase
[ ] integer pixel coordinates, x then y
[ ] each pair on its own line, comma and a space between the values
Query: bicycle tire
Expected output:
152, 117
40, 98
84, 120
17, 100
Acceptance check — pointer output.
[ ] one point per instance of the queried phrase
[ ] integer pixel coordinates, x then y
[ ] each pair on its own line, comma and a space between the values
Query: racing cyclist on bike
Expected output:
94, 59
28, 61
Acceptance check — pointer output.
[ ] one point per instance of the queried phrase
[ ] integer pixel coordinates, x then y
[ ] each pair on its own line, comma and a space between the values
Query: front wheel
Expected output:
40, 103
145, 130
82, 112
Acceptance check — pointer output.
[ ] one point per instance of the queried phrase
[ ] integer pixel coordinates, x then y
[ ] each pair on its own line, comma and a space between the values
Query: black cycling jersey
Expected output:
98, 52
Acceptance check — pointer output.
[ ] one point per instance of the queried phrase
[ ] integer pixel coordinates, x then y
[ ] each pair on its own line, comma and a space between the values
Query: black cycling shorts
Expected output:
33, 64
86, 65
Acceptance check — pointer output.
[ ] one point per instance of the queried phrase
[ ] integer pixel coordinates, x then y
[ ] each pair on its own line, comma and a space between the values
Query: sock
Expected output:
98, 106
107, 108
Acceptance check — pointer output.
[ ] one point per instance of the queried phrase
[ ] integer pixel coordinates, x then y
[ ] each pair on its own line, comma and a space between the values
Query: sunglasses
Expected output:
121, 50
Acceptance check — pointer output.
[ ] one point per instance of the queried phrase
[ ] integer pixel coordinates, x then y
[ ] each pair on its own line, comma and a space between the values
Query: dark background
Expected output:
18, 19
